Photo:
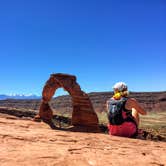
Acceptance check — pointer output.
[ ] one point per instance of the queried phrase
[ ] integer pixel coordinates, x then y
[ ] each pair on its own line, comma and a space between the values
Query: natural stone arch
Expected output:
83, 113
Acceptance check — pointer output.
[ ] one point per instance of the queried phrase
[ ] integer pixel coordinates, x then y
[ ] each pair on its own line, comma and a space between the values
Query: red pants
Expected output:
127, 129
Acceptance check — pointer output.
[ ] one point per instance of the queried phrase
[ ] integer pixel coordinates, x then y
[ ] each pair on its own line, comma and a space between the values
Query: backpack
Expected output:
115, 109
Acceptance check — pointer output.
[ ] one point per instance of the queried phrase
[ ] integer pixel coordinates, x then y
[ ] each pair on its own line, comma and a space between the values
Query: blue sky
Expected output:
101, 42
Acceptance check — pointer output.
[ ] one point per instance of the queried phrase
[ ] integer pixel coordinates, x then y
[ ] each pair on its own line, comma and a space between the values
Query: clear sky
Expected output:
101, 42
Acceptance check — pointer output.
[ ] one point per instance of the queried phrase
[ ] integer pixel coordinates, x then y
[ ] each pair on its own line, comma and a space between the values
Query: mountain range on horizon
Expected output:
19, 96
34, 96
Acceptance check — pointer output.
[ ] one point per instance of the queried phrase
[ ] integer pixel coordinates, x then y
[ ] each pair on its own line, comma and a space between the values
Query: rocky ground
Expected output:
25, 142
153, 126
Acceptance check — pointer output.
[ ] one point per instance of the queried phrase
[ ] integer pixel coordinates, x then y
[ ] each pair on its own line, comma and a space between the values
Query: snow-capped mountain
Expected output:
19, 96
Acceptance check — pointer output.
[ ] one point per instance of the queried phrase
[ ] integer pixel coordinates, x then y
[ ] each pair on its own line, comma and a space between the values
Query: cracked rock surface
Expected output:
25, 142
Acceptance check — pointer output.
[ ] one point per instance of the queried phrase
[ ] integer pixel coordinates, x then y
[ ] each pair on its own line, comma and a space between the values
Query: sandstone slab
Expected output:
25, 142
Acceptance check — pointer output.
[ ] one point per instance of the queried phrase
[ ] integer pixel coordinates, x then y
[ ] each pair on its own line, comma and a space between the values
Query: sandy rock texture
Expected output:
24, 142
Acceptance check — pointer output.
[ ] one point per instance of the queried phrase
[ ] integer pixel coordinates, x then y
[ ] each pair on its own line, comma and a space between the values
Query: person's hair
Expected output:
124, 93
120, 90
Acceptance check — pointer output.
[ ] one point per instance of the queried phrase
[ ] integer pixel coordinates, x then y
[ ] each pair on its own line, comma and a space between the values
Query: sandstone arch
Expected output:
83, 113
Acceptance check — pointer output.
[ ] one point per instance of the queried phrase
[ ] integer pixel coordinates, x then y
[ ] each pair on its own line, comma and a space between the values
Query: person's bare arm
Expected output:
133, 103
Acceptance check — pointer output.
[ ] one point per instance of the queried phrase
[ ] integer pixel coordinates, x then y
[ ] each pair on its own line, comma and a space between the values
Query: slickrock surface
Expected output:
24, 142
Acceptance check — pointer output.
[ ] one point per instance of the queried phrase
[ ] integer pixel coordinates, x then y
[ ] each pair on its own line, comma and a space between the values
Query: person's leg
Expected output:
135, 115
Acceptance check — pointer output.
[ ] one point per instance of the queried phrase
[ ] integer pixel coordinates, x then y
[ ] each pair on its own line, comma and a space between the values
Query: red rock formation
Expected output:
83, 113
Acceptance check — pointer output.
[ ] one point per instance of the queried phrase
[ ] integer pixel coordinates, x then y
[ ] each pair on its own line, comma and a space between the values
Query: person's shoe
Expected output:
141, 134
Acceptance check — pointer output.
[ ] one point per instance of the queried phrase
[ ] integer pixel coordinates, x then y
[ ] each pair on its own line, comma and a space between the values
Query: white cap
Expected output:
120, 86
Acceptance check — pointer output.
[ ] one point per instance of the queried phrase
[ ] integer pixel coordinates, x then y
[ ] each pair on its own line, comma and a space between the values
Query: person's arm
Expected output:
133, 103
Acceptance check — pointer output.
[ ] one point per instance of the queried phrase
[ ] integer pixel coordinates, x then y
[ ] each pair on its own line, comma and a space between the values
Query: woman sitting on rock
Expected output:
123, 112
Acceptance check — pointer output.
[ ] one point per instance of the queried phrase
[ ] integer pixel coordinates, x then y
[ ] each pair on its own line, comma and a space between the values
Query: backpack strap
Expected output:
130, 118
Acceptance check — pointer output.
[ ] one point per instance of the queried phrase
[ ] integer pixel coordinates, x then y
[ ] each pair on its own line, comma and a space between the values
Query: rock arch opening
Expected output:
83, 113
61, 103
